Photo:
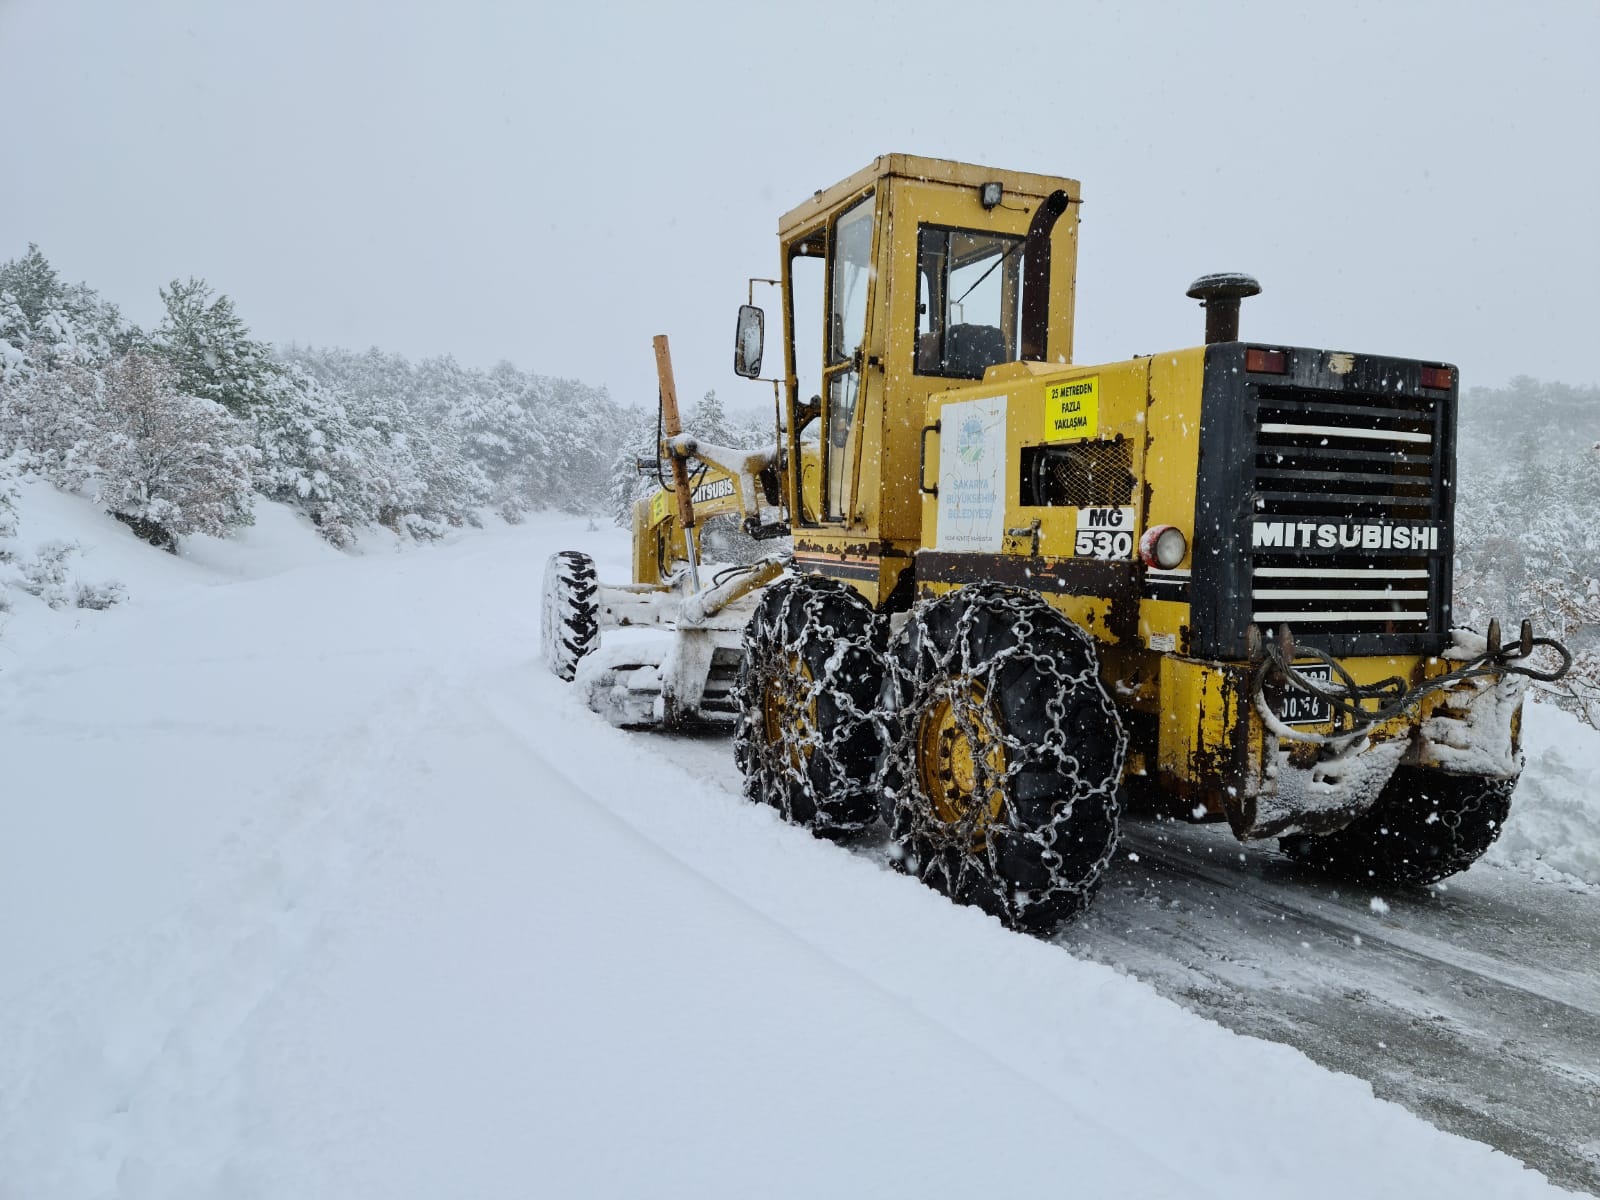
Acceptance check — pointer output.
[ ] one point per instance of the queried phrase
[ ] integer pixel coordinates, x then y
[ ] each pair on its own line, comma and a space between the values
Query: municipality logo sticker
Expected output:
970, 441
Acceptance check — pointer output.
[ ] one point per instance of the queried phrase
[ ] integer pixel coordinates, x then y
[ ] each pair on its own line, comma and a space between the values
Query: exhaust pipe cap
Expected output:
1221, 294
1225, 285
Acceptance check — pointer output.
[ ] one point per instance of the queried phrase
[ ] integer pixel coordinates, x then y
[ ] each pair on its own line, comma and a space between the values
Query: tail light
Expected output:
1266, 362
1438, 377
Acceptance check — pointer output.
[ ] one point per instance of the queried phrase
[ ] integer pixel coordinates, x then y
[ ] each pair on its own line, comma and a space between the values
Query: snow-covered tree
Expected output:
505, 436
33, 284
1527, 544
45, 322
708, 421
445, 397
502, 438
626, 483
50, 418
169, 464
314, 456
211, 349
581, 429
15, 334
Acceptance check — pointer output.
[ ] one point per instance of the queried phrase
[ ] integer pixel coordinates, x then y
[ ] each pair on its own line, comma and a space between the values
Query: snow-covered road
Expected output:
314, 885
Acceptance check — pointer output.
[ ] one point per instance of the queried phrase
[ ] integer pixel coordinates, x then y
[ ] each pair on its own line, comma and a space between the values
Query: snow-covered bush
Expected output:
169, 464
43, 570
45, 574
8, 511
99, 596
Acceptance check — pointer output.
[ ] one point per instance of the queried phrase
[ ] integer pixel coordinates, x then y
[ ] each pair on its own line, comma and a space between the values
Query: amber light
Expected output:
1437, 377
1266, 362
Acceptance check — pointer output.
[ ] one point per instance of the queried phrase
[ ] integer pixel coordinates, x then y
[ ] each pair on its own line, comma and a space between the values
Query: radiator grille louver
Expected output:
1344, 460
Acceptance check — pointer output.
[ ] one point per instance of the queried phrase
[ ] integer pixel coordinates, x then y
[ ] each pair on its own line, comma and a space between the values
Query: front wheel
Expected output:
1424, 826
1002, 756
569, 614
808, 683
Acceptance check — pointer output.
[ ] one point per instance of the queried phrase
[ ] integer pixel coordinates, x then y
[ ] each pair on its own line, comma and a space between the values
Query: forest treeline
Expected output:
1528, 522
176, 429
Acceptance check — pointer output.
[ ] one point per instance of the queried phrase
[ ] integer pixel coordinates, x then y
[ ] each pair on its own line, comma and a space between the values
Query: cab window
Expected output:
969, 283
807, 279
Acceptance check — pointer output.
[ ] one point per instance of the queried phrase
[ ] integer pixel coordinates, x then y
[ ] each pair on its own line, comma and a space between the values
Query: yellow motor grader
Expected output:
1012, 594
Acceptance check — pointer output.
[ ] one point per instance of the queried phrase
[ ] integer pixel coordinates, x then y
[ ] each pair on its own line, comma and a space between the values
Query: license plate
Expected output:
1302, 708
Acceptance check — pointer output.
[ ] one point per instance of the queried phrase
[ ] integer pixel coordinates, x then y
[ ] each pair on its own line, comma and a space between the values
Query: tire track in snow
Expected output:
1290, 891
1500, 1049
161, 1021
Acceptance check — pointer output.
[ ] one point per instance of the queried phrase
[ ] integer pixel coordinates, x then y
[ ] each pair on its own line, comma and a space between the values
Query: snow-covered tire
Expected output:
807, 688
569, 617
1003, 755
1424, 826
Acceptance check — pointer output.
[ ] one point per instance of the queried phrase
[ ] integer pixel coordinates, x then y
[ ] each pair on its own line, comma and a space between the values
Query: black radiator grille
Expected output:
1347, 513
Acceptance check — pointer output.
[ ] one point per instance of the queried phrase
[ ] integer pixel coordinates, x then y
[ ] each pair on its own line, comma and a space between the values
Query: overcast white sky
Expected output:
554, 184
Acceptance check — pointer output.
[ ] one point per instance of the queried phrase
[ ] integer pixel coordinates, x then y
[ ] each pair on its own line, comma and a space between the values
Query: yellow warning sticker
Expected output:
1072, 409
658, 508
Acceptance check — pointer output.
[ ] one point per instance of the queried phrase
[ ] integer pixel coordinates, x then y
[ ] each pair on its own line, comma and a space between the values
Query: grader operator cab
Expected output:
1020, 594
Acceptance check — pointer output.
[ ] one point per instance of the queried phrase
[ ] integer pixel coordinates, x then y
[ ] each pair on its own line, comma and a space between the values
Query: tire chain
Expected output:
967, 860
851, 637
1365, 851
1469, 842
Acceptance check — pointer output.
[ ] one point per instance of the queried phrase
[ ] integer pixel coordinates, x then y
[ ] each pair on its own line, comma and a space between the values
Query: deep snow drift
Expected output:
312, 883
1554, 827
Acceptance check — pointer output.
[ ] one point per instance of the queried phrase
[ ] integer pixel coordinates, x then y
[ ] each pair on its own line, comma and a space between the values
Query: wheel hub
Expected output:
789, 712
961, 759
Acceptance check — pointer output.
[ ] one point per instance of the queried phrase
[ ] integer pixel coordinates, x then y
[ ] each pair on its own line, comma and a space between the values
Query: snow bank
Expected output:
103, 552
1554, 827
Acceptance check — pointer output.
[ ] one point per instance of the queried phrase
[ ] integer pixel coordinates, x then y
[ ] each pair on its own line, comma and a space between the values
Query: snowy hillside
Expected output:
313, 883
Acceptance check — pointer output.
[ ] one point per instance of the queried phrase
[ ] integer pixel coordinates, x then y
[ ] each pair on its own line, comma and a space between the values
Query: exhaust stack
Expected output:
1220, 295
1036, 276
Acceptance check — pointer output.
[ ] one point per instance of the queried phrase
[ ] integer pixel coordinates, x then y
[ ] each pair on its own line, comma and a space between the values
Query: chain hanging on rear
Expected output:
1361, 707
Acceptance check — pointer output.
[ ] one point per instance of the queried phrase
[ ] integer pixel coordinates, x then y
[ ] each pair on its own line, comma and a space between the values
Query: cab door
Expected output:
955, 312
830, 291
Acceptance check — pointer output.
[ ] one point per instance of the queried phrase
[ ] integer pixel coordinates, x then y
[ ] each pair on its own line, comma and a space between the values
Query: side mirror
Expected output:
748, 340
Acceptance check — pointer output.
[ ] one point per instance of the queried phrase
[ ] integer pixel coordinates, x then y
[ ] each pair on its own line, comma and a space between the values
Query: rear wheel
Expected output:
1002, 756
808, 685
1424, 826
569, 616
